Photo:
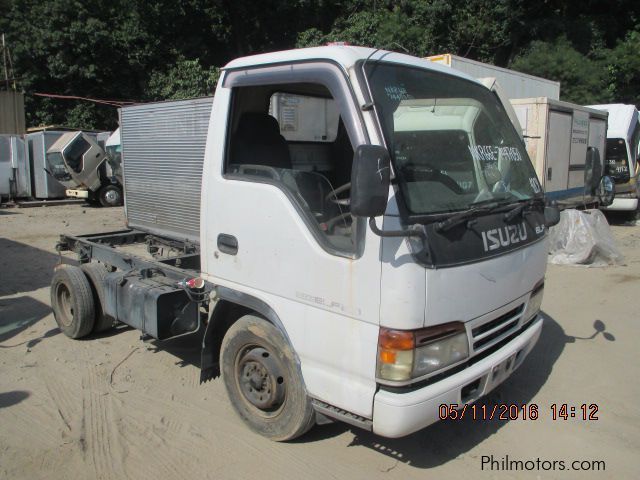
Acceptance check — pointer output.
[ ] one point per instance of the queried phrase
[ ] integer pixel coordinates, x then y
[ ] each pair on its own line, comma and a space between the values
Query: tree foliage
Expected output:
583, 79
142, 50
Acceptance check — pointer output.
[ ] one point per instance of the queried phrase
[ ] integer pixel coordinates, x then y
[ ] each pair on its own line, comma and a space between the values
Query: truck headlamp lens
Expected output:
403, 355
440, 354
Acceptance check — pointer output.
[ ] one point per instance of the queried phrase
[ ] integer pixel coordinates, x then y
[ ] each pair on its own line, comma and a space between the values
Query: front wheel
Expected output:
110, 196
263, 382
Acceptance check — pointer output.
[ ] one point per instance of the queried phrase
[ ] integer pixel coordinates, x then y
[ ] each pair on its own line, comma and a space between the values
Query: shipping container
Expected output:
515, 84
162, 155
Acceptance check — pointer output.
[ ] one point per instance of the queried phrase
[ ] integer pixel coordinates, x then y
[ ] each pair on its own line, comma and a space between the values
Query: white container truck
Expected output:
515, 84
566, 143
328, 285
623, 154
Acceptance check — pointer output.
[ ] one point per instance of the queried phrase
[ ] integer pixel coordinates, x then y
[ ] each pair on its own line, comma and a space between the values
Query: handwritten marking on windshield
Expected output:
491, 153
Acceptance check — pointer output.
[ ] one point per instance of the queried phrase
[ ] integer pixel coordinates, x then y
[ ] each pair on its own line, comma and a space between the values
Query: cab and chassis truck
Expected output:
368, 275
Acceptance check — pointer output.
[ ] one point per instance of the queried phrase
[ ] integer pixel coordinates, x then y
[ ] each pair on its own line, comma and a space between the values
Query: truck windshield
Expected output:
57, 167
451, 140
617, 160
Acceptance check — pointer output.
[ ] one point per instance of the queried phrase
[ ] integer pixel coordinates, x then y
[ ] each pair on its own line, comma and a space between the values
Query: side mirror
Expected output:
606, 191
551, 216
592, 170
370, 180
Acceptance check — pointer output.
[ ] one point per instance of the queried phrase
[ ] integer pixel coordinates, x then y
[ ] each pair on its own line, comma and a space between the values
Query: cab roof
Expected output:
622, 119
345, 55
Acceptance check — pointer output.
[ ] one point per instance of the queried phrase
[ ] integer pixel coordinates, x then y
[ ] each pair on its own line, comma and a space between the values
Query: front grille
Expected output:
485, 335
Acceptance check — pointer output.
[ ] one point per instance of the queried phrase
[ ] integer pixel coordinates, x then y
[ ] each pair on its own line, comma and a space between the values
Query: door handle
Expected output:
227, 244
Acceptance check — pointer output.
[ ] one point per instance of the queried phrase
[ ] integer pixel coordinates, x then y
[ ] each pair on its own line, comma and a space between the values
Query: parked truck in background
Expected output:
566, 143
374, 268
515, 84
79, 162
623, 155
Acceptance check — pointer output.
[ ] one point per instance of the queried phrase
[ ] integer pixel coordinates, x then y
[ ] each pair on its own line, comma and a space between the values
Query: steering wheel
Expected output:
430, 173
332, 196
333, 221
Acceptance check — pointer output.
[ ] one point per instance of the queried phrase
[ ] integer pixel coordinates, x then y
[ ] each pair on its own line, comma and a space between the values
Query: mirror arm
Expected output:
395, 233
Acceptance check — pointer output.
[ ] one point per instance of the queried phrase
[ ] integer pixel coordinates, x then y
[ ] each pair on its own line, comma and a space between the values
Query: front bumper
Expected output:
399, 414
623, 204
77, 193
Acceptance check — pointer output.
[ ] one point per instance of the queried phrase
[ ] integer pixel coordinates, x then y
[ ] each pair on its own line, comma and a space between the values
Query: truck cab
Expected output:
80, 164
433, 298
370, 240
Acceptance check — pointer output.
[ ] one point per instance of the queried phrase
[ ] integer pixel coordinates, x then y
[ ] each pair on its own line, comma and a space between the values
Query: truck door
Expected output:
558, 151
277, 225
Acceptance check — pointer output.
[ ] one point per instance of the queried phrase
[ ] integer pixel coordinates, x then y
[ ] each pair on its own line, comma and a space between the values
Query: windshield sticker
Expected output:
491, 153
397, 93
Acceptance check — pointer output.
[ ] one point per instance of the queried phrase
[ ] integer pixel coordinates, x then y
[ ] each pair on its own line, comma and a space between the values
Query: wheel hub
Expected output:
111, 196
66, 304
261, 379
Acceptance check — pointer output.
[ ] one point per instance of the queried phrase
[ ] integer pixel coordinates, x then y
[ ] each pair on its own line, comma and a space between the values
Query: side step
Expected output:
342, 415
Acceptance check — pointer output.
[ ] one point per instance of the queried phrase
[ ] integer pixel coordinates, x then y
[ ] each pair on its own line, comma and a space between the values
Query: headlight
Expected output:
407, 354
439, 354
535, 302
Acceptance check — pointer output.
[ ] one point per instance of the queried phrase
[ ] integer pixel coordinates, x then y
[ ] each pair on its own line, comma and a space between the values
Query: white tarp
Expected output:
583, 238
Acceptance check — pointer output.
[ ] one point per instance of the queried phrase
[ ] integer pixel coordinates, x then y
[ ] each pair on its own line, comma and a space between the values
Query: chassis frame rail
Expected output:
101, 247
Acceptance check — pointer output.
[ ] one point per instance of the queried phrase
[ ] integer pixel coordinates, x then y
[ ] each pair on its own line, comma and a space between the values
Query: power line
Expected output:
112, 103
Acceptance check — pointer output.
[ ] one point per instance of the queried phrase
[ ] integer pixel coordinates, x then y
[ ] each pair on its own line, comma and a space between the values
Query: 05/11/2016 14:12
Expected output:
562, 411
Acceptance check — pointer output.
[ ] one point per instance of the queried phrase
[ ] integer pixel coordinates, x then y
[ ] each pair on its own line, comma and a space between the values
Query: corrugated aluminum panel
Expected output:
6, 172
162, 156
20, 165
44, 185
12, 112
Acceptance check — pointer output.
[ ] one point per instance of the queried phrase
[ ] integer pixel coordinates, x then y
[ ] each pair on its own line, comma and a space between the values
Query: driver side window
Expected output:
293, 136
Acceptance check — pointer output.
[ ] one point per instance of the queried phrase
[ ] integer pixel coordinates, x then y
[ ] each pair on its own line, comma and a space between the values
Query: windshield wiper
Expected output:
519, 208
476, 208
463, 216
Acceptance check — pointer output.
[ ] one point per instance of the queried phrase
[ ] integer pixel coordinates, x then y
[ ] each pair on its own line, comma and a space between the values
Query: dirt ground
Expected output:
112, 406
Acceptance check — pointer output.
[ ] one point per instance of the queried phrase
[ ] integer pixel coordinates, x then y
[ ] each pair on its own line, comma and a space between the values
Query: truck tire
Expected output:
110, 196
97, 273
263, 382
72, 301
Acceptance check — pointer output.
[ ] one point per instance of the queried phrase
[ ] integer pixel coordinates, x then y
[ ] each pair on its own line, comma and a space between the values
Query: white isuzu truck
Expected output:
369, 267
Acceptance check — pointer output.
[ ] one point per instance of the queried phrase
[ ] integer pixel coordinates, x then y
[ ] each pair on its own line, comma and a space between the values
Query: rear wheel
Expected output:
97, 273
110, 196
72, 301
263, 382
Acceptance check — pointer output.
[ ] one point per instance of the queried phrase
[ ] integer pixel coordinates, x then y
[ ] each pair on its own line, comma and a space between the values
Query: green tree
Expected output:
624, 70
583, 80
185, 79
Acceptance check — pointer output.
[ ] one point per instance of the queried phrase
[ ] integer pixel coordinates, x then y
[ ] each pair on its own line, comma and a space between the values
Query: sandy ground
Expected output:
112, 406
